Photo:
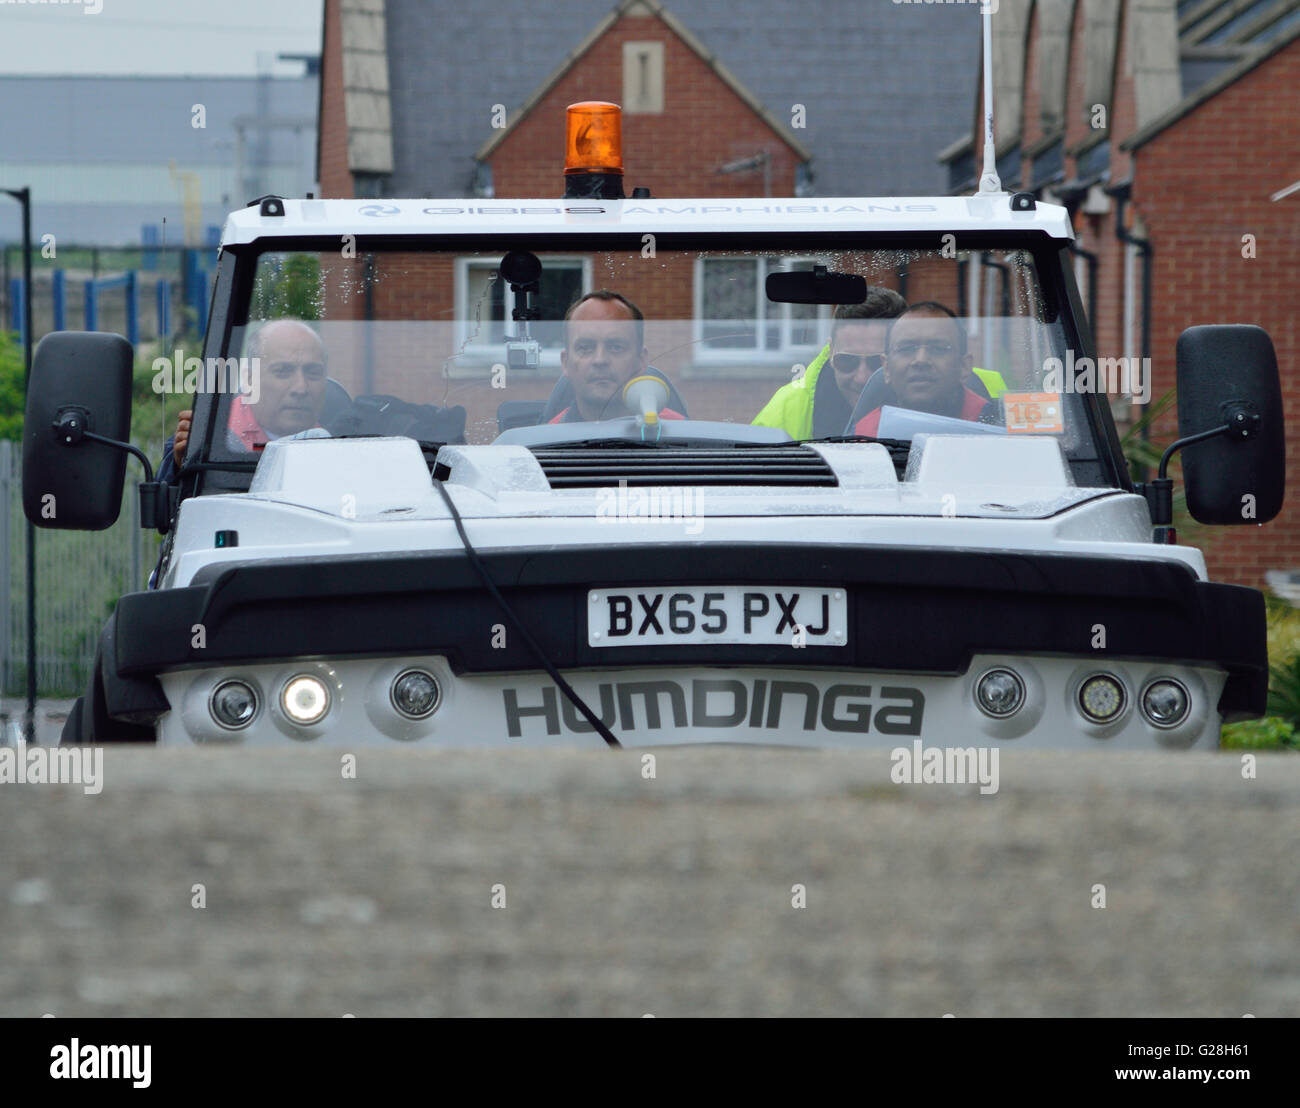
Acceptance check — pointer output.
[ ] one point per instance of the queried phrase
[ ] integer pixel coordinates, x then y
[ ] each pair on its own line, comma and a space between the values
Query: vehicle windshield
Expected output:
462, 346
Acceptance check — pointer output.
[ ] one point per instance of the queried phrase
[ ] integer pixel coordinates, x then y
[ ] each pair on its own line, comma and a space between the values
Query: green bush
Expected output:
1143, 453
1269, 733
1284, 690
1277, 730
79, 578
1283, 629
287, 286
153, 417
12, 387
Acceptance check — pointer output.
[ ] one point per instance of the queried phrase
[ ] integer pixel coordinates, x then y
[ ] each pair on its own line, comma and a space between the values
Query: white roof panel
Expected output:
753, 215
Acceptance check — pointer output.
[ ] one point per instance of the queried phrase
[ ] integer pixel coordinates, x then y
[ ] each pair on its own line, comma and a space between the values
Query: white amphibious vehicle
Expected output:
442, 516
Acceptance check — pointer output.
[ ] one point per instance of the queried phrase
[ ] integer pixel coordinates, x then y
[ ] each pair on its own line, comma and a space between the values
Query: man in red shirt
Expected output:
291, 378
604, 348
925, 361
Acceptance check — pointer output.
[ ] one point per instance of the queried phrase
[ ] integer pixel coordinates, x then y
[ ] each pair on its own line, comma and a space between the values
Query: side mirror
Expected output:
82, 379
1227, 375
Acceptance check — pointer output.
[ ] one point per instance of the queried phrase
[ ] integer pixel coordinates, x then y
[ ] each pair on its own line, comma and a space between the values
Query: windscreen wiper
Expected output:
892, 443
632, 444
430, 449
538, 652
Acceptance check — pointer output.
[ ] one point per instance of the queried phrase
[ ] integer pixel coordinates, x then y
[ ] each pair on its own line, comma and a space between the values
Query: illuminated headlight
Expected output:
233, 705
305, 699
414, 694
1000, 693
1101, 698
1166, 703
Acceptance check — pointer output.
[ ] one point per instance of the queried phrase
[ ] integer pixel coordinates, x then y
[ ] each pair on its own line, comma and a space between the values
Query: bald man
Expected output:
291, 365
604, 348
291, 368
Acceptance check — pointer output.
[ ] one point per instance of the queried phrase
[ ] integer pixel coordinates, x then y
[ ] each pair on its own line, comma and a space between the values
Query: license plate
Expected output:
719, 615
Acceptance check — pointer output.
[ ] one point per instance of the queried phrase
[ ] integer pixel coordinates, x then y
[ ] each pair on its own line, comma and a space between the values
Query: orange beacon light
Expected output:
593, 138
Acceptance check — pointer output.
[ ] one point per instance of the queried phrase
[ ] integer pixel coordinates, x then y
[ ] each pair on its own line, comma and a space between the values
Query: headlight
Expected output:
1166, 703
305, 699
233, 705
1000, 693
1101, 698
414, 693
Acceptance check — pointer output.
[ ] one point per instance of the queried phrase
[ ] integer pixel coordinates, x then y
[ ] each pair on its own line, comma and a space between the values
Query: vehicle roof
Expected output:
933, 214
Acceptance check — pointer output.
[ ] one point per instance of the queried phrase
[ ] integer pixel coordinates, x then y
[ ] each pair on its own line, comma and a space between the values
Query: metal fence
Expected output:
79, 577
145, 293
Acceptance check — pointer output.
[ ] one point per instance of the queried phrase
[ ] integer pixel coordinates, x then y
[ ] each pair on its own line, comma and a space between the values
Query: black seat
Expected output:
519, 413
337, 401
378, 414
877, 393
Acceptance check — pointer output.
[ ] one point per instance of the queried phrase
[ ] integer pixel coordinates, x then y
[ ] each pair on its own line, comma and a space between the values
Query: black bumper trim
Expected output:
924, 610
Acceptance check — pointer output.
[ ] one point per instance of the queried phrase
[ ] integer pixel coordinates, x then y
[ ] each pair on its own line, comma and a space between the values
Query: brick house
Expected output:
442, 100
718, 140
1179, 122
435, 101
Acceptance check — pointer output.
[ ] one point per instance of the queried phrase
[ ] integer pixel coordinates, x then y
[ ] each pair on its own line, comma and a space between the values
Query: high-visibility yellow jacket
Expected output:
993, 381
791, 406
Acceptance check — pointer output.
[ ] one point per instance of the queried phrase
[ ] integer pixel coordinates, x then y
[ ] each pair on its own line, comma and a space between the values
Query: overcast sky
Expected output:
155, 36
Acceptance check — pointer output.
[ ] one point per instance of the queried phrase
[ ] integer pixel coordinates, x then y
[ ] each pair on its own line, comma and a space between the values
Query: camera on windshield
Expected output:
523, 354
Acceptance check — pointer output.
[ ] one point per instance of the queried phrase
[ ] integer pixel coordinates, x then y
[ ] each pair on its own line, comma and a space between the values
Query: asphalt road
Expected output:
673, 896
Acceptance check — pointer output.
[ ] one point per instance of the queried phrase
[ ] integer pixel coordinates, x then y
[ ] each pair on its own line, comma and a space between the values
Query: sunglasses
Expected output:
848, 363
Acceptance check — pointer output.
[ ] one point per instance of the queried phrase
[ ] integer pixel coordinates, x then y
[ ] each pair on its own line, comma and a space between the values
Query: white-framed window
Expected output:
735, 323
485, 304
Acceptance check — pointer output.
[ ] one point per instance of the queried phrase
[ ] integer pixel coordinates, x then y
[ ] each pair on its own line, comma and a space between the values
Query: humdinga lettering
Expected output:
724, 703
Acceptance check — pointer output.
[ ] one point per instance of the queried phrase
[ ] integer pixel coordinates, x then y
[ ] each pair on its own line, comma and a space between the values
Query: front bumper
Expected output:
671, 705
921, 612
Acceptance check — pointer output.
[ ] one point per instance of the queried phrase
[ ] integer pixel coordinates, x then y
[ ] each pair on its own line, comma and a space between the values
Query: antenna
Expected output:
989, 180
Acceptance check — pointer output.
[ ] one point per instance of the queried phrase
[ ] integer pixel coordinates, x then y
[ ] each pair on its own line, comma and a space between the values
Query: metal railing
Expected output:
80, 575
147, 293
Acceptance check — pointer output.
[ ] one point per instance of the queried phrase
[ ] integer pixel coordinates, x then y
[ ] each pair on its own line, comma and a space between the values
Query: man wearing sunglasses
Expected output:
819, 404
927, 366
